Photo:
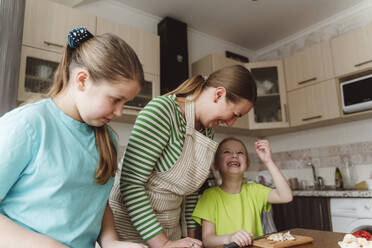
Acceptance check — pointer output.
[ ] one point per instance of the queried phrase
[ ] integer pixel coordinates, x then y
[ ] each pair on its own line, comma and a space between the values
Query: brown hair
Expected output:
106, 57
229, 139
237, 80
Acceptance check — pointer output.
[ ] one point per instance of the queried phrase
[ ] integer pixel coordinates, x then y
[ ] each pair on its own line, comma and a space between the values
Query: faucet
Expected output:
318, 181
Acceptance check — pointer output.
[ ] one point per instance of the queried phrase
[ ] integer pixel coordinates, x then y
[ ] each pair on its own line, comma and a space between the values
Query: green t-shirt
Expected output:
233, 212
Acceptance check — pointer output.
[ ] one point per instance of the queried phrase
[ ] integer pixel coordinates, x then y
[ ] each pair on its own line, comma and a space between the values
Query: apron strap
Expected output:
190, 112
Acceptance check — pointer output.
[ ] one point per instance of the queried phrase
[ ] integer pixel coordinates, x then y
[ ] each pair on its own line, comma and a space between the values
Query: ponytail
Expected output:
193, 86
107, 164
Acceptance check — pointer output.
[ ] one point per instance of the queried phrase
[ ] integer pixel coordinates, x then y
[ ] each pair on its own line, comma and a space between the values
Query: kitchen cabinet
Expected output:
211, 63
150, 89
270, 108
303, 212
37, 68
309, 66
146, 45
314, 103
147, 48
352, 51
47, 24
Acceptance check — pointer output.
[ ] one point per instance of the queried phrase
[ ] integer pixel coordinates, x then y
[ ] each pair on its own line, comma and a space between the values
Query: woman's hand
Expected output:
184, 243
263, 150
241, 238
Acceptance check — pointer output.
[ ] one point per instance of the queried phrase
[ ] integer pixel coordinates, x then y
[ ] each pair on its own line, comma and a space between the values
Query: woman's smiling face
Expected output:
222, 111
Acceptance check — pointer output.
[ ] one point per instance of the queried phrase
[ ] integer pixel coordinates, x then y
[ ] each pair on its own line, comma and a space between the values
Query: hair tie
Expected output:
78, 36
205, 78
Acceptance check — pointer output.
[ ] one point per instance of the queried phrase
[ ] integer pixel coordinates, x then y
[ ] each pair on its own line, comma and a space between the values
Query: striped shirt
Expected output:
155, 143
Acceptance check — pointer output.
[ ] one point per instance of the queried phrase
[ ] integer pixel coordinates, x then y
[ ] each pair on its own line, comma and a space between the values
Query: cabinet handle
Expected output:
286, 112
363, 63
52, 44
312, 118
307, 80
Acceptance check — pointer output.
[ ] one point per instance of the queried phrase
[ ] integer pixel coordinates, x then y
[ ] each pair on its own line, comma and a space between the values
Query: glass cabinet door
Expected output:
36, 72
270, 108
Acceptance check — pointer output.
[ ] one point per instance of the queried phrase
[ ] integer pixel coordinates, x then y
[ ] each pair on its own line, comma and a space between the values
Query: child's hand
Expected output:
241, 238
263, 150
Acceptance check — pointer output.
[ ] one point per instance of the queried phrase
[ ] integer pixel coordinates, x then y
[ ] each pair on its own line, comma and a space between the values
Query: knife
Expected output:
235, 245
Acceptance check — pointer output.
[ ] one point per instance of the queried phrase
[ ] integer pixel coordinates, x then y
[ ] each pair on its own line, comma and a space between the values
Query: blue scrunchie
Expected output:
77, 36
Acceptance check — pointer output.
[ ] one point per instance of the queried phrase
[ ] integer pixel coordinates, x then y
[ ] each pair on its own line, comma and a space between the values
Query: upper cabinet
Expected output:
270, 108
211, 63
36, 72
146, 45
309, 66
352, 51
47, 24
147, 48
314, 103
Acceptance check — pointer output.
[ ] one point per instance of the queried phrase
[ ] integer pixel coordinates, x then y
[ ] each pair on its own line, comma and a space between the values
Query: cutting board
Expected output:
265, 243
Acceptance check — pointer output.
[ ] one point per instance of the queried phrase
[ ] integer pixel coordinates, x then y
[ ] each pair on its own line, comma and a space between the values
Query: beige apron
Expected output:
167, 190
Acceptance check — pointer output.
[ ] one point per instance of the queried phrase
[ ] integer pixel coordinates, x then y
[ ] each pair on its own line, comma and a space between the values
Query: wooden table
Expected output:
322, 239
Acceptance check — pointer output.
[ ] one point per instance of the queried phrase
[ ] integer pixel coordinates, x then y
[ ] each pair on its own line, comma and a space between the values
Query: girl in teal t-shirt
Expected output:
58, 155
231, 212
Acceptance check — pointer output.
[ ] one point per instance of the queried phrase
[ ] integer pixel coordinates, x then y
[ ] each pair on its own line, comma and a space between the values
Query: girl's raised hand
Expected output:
263, 150
241, 238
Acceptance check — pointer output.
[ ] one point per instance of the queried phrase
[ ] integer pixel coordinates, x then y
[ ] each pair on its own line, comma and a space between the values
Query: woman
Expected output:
169, 155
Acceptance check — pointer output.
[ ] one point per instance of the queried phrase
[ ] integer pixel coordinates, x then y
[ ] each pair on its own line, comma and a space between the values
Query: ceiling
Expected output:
252, 24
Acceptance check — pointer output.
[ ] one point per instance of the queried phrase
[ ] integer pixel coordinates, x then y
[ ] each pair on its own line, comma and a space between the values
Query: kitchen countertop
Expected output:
322, 239
334, 193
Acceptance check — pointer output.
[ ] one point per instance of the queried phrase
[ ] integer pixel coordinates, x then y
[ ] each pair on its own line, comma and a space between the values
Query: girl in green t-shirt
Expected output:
231, 212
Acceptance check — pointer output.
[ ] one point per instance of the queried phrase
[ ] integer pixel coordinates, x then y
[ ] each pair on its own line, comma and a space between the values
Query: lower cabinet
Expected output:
303, 212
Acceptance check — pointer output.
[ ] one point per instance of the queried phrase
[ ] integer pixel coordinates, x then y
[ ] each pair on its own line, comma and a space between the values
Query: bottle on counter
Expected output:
338, 179
349, 177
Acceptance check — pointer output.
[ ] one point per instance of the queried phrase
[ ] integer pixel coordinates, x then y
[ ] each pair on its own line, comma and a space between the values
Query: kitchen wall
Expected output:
326, 138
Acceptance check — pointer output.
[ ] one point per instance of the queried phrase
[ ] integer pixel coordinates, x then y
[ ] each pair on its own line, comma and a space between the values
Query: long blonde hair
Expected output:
237, 80
106, 57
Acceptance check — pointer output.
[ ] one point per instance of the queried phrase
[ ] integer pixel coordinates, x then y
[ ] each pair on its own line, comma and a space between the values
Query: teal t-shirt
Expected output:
233, 212
47, 168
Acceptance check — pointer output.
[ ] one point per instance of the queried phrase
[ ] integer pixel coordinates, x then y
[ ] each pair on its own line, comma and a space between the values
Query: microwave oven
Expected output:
356, 94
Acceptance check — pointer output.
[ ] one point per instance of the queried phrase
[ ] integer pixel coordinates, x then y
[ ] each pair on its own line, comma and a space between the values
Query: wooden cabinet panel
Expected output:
130, 35
303, 212
210, 63
352, 51
313, 103
309, 66
47, 24
146, 45
149, 52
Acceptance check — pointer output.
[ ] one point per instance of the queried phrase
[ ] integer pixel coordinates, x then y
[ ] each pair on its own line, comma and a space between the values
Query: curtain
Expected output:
11, 31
